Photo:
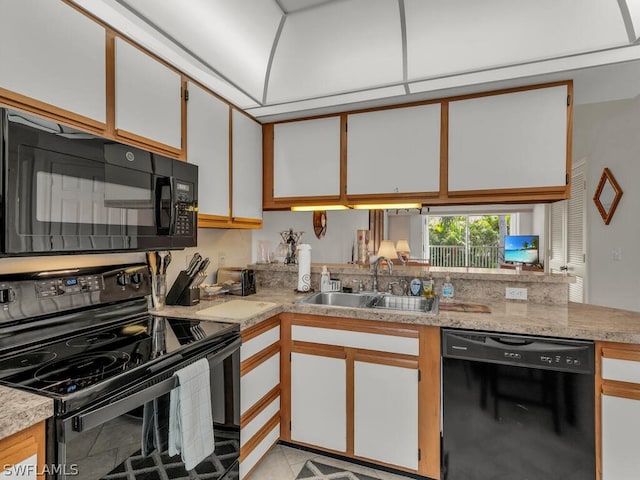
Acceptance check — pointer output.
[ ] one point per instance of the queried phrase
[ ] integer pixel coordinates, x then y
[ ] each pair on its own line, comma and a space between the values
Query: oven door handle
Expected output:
94, 417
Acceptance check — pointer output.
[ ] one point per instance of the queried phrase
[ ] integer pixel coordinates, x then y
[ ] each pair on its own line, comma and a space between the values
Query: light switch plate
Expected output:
515, 293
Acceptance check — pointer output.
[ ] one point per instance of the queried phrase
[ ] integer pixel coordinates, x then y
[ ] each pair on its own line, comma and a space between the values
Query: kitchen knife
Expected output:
193, 265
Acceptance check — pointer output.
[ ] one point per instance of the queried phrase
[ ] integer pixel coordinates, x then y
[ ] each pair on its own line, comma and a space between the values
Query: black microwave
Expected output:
66, 191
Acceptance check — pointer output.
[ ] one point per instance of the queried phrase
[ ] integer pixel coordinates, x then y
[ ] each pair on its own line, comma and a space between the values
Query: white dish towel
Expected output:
190, 421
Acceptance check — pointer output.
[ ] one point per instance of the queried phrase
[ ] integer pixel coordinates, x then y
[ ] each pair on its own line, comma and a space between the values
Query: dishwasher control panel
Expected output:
522, 350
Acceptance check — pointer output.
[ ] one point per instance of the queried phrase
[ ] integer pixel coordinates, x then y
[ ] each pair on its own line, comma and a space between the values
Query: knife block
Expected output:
181, 293
189, 297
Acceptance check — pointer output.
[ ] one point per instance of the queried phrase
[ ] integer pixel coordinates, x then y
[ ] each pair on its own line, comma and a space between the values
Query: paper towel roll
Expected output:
304, 267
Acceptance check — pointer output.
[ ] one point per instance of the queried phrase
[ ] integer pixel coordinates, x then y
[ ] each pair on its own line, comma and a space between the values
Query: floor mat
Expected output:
313, 470
161, 466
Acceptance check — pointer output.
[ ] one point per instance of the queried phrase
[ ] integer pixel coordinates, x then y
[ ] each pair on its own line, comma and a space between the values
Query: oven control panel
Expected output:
68, 285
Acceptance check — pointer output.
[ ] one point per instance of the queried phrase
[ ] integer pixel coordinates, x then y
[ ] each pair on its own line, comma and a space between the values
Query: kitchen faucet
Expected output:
374, 285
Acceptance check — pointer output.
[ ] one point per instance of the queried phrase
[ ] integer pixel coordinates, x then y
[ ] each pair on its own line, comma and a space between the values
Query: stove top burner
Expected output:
93, 340
27, 360
83, 367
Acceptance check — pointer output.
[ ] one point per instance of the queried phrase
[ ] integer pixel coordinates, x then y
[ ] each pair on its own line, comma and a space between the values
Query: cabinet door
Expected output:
148, 97
319, 401
394, 151
620, 438
386, 413
509, 141
22, 454
306, 159
247, 167
208, 147
54, 54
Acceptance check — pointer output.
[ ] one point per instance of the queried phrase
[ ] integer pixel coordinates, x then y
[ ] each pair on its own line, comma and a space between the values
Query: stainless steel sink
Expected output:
340, 299
407, 303
373, 300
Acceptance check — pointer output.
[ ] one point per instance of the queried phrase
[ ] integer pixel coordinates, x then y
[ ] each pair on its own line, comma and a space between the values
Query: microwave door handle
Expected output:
161, 184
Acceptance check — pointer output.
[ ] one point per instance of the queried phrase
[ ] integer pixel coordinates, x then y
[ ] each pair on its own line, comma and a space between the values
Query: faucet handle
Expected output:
360, 284
390, 287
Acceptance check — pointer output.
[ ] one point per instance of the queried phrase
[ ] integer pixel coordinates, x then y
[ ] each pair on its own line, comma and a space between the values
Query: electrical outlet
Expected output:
515, 293
221, 259
616, 254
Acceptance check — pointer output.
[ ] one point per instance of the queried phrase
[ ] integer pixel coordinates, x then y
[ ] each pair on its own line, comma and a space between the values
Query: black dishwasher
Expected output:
517, 407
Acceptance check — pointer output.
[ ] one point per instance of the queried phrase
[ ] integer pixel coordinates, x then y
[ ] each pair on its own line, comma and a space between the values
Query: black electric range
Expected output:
85, 338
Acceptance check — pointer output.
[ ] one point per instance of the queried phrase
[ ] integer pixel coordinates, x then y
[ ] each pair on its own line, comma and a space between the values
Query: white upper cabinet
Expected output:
148, 97
52, 53
509, 140
394, 151
247, 167
208, 147
306, 159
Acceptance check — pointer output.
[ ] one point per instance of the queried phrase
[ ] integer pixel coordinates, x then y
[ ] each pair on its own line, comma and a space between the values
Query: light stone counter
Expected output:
21, 410
572, 320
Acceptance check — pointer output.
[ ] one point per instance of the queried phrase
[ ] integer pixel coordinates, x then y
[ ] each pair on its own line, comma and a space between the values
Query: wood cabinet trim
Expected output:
444, 150
23, 444
318, 349
28, 104
144, 142
384, 358
429, 411
621, 389
260, 328
257, 408
259, 358
351, 324
253, 442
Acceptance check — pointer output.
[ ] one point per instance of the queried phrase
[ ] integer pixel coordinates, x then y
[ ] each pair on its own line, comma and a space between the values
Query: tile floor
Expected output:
284, 463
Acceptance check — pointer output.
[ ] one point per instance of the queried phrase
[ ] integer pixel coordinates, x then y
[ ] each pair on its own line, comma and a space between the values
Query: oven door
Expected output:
105, 441
76, 192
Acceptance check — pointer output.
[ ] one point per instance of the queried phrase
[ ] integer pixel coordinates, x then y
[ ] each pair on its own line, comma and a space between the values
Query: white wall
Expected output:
233, 245
608, 135
336, 245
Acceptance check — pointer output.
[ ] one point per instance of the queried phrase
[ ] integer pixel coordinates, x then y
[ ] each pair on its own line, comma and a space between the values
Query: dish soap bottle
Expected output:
325, 281
427, 287
447, 289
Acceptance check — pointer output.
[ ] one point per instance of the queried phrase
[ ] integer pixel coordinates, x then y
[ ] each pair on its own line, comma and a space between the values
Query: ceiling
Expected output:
280, 59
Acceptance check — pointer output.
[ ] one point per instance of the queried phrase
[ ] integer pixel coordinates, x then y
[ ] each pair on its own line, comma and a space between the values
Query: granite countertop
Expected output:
21, 410
574, 320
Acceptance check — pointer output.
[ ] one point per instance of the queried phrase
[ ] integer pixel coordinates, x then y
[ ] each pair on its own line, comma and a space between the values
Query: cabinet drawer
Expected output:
348, 338
259, 343
250, 461
621, 370
259, 381
250, 429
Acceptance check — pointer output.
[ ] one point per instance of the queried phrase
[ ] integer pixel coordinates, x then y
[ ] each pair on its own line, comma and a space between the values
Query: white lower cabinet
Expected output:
259, 393
619, 418
620, 438
319, 401
386, 413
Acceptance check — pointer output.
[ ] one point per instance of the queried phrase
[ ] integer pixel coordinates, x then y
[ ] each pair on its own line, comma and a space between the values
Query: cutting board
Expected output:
236, 309
464, 307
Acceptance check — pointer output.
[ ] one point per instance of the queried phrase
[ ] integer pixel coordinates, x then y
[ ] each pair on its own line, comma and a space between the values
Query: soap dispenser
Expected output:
325, 281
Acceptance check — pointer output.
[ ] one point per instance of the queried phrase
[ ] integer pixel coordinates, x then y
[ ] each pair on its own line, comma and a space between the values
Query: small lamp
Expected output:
402, 247
387, 250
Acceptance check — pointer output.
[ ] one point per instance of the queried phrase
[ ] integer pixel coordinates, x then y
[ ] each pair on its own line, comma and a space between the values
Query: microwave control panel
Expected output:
185, 211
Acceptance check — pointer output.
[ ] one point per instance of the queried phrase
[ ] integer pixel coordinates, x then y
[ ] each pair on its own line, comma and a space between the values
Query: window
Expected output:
465, 240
